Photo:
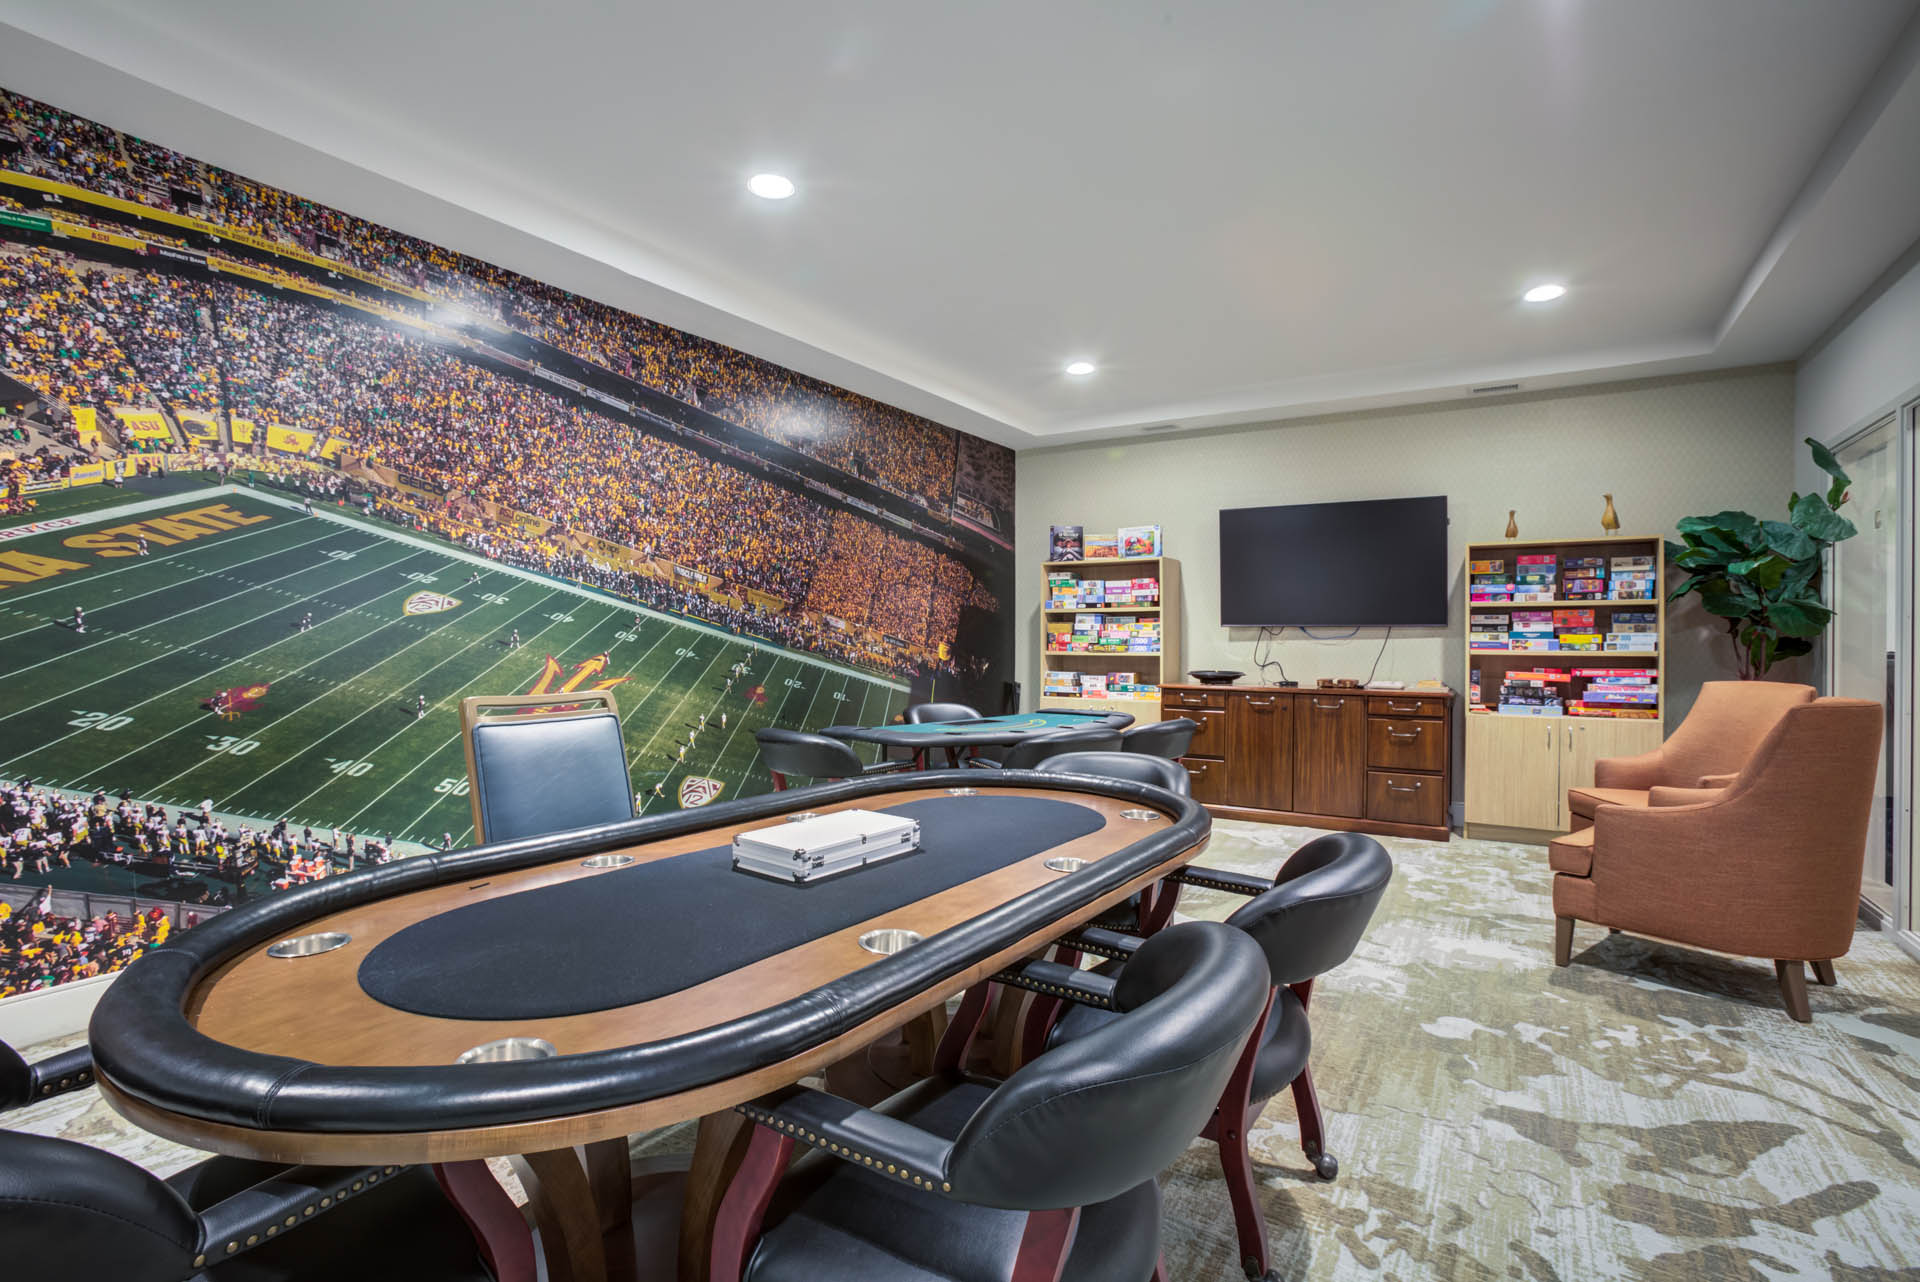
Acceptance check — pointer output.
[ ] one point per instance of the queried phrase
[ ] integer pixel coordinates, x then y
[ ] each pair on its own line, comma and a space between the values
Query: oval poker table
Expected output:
985, 732
671, 987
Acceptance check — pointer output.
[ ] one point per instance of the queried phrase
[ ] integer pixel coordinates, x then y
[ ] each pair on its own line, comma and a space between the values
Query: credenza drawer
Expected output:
1192, 699
1208, 780
1405, 744
1398, 797
1410, 705
1210, 740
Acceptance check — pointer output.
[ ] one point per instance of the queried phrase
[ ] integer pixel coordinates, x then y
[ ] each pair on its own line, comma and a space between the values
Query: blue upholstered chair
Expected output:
541, 763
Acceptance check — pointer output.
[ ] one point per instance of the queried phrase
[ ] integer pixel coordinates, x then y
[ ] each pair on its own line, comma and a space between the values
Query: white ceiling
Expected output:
1240, 210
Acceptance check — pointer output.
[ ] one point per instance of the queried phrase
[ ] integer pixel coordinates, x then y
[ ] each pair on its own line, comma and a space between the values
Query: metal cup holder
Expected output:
1066, 863
508, 1050
1141, 816
309, 945
607, 861
888, 942
963, 792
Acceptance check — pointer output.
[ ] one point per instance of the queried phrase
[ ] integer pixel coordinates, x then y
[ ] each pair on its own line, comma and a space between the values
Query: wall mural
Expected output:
282, 486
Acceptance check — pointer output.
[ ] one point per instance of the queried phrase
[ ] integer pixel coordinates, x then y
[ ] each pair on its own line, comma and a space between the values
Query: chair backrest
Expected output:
1034, 749
922, 713
70, 1210
1158, 771
1726, 723
541, 763
1161, 738
798, 752
1108, 1111
1321, 901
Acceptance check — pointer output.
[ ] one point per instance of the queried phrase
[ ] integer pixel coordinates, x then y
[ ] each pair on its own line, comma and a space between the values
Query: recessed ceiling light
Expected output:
770, 186
1080, 369
1544, 293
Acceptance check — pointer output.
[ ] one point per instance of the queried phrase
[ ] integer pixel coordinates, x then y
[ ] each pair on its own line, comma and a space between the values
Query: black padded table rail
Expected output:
615, 938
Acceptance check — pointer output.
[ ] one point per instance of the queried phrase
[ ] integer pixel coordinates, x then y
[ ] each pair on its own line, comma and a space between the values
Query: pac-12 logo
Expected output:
698, 790
430, 603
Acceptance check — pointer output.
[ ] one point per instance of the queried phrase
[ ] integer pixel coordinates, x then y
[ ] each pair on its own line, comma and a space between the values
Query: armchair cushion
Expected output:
1584, 801
1662, 796
1572, 854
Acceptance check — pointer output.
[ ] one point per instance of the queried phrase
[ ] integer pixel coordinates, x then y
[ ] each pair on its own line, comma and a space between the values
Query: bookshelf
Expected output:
1519, 766
1154, 668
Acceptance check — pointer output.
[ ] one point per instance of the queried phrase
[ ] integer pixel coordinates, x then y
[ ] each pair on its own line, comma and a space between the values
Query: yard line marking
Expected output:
154, 562
129, 633
368, 753
194, 680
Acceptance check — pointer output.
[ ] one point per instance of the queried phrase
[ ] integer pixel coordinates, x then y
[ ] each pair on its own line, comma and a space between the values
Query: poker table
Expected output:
648, 982
985, 732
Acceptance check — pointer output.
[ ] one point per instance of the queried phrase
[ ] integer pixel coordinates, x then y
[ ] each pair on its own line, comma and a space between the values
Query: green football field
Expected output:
335, 741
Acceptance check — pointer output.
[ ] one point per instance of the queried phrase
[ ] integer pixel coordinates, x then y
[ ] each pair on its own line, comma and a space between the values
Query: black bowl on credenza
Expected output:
1215, 677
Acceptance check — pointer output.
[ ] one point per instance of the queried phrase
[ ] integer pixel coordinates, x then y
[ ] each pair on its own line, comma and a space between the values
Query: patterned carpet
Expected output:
1649, 1113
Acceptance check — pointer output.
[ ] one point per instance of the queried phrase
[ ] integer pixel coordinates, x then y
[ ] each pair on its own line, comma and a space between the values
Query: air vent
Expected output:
1494, 387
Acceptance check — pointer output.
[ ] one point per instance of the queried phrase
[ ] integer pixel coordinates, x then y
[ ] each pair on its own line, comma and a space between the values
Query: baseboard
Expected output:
61, 1011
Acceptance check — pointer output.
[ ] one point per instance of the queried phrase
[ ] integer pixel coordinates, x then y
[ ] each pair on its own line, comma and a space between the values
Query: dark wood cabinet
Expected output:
1330, 753
1371, 760
1260, 755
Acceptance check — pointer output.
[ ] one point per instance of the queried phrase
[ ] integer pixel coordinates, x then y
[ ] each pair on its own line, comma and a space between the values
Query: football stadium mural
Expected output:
279, 487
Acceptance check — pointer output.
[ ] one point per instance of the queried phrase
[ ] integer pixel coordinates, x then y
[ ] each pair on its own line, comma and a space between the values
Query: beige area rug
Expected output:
1648, 1113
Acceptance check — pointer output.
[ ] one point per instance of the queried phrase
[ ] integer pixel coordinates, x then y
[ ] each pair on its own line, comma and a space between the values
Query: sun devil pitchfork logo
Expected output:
588, 670
429, 603
698, 790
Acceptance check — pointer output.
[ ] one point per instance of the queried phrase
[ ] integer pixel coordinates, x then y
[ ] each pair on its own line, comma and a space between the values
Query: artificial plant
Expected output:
1763, 577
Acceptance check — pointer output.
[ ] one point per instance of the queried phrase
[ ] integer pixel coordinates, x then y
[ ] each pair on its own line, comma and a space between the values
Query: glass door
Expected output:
1864, 640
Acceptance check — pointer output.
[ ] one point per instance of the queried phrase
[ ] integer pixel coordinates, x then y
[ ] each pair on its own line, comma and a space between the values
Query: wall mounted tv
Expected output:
1367, 564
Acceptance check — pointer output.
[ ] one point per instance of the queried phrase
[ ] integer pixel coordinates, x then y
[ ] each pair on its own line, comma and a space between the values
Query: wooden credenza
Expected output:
1367, 760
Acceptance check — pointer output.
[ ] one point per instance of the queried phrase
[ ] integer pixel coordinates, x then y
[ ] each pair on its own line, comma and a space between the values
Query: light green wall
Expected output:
1664, 448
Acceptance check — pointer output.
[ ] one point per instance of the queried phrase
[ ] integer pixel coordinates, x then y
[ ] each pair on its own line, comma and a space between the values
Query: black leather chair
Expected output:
71, 1211
1169, 739
541, 763
1307, 921
1034, 749
1048, 1174
922, 713
817, 756
1158, 771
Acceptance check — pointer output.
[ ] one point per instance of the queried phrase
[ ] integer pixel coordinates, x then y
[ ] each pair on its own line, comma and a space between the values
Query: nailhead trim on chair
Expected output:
1097, 949
1206, 883
80, 1078
326, 1202
1085, 997
837, 1148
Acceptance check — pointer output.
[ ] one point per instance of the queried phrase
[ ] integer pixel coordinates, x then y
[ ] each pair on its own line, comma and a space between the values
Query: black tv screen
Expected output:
1365, 564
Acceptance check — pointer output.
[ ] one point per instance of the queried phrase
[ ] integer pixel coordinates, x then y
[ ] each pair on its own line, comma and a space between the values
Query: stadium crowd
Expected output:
888, 446
39, 948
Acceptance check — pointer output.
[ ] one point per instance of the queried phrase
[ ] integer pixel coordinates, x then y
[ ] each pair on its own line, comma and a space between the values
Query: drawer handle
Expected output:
1407, 737
1394, 707
1394, 787
1330, 707
1195, 769
1255, 703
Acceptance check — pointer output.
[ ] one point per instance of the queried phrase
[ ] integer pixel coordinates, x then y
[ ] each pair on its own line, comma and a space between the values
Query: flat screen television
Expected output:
1374, 563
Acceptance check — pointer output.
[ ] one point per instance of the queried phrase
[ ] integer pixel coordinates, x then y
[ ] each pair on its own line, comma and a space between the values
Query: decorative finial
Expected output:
1513, 526
1609, 519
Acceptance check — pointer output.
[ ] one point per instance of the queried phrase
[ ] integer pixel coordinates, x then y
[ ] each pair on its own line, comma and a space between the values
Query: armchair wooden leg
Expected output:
1823, 974
1313, 1126
1793, 987
1562, 940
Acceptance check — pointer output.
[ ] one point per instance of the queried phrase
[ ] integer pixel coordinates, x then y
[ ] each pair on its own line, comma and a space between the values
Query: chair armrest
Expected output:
70, 1070
1102, 942
854, 1134
888, 767
1716, 781
1639, 773
1219, 879
1056, 979
273, 1206
983, 763
1661, 795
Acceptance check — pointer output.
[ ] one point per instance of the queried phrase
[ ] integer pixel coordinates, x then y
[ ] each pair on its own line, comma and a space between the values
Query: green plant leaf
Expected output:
1787, 539
1719, 597
1824, 460
1798, 579
1764, 572
1820, 521
1799, 618
1738, 527
1792, 647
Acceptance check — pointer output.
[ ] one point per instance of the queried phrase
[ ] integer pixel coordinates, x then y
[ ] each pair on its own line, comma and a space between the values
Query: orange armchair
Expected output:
1720, 732
1768, 866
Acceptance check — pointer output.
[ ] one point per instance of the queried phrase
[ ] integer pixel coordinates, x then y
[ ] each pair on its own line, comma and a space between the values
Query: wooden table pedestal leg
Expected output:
561, 1199
717, 1153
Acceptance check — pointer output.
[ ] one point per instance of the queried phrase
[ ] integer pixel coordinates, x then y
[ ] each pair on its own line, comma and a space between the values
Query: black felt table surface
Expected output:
616, 938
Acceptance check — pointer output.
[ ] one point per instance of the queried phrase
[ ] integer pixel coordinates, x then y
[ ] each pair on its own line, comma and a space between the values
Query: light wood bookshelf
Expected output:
1156, 667
1519, 768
